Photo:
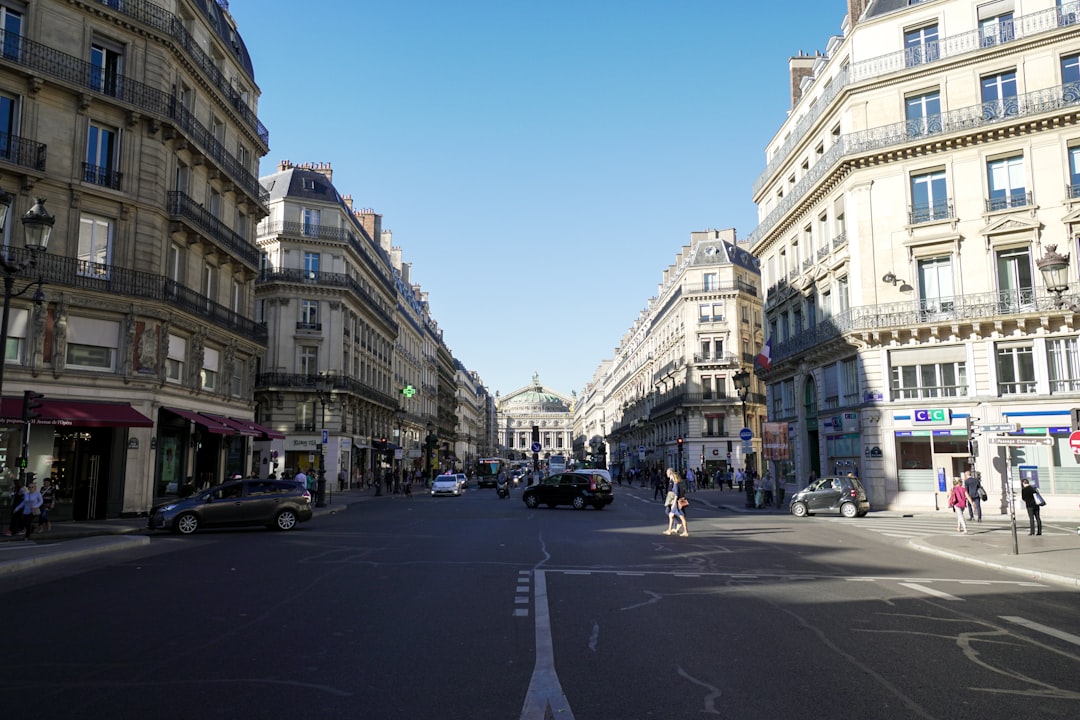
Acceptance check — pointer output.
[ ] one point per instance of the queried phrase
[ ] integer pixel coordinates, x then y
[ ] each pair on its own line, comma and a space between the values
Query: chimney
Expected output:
370, 221
800, 66
284, 165
323, 169
855, 9
347, 199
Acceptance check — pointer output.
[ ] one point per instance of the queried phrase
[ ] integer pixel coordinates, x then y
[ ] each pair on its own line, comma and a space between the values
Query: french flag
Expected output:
764, 358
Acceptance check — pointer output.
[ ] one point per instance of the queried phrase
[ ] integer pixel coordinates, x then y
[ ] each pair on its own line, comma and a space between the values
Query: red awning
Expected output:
218, 428
76, 413
267, 433
239, 426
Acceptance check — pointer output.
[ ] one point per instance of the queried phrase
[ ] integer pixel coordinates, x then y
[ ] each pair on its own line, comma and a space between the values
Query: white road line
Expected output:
545, 694
1046, 630
931, 591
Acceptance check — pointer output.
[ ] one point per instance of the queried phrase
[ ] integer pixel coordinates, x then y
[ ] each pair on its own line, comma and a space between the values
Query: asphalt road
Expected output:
476, 607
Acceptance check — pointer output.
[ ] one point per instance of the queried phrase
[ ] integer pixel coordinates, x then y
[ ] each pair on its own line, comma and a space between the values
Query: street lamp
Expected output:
1055, 271
742, 379
324, 388
37, 229
431, 441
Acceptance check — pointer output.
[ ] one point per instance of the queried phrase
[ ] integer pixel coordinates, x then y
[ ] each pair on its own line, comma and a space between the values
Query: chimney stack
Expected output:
800, 66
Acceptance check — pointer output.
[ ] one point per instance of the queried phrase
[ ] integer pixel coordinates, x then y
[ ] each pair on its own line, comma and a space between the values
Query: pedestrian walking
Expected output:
958, 502
975, 491
48, 502
1033, 500
30, 507
740, 478
300, 478
690, 480
15, 496
676, 509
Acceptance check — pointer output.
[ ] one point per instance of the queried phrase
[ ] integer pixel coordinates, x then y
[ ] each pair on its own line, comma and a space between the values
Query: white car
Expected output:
446, 485
463, 480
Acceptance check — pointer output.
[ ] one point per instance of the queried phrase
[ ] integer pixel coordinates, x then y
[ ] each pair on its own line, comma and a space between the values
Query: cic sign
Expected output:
933, 416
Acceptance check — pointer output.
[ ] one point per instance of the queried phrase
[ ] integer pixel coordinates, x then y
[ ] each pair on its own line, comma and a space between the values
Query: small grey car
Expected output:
277, 504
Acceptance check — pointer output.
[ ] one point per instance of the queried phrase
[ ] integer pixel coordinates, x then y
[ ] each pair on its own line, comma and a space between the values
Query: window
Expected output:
174, 363
1074, 171
1016, 290
923, 113
999, 95
213, 202
1063, 355
183, 178
785, 327
929, 197
929, 380
92, 343
95, 246
310, 219
1067, 12
311, 265
831, 382
936, 284
11, 24
208, 376
787, 397
920, 45
849, 377
105, 68
1006, 182
9, 118
172, 267
711, 283
209, 285
1016, 369
714, 426
704, 312
309, 360
1070, 69
309, 315
16, 335
843, 296
706, 348
102, 154
706, 387
996, 30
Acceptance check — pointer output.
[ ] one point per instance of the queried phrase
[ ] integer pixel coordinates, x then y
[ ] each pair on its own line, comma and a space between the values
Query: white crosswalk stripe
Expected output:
916, 527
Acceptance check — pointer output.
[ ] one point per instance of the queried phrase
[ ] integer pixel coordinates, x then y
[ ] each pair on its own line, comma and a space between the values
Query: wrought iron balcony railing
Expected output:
930, 213
119, 281
338, 383
309, 326
326, 232
161, 19
102, 176
22, 152
184, 208
68, 68
927, 311
1011, 200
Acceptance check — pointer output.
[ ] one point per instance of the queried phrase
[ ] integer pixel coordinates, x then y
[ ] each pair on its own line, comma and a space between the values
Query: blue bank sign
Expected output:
933, 416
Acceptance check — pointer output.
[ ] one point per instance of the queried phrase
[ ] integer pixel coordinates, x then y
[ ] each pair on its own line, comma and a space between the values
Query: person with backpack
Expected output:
958, 502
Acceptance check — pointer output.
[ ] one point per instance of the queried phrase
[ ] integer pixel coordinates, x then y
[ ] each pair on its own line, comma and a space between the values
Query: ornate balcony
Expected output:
330, 279
930, 213
22, 152
182, 207
339, 383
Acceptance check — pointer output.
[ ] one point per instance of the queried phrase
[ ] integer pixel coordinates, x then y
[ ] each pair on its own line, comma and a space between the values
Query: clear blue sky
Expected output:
539, 163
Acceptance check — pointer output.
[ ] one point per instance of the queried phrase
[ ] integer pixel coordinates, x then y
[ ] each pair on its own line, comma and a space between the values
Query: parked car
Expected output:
845, 495
463, 480
579, 488
278, 504
446, 485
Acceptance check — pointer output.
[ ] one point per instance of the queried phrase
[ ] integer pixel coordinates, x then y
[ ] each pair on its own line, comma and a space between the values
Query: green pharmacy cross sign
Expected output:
408, 391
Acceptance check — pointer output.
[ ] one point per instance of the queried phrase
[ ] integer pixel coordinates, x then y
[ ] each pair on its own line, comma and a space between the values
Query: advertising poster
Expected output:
775, 441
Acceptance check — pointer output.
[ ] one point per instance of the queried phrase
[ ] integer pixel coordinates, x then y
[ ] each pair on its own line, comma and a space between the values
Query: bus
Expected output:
488, 469
556, 464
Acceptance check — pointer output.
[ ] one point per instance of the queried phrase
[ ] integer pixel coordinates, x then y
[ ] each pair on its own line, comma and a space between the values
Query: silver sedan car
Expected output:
446, 485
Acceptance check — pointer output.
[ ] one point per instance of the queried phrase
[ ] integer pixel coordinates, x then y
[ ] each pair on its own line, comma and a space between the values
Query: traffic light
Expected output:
536, 433
680, 444
1076, 419
30, 405
973, 437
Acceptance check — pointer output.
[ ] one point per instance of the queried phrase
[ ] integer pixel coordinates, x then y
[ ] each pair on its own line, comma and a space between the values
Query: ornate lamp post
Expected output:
742, 379
431, 442
37, 229
1055, 271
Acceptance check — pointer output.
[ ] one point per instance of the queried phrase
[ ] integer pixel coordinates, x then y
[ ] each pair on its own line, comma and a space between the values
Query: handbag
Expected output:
683, 502
982, 493
1039, 498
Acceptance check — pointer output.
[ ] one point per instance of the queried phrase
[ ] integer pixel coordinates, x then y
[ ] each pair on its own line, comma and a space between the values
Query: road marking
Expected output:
1045, 629
545, 697
931, 591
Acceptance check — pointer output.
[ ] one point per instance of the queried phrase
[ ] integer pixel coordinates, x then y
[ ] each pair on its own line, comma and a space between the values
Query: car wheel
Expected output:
579, 503
849, 510
186, 523
798, 509
530, 501
285, 520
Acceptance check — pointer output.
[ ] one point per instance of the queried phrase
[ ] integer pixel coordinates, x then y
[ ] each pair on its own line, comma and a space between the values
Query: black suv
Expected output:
844, 495
579, 488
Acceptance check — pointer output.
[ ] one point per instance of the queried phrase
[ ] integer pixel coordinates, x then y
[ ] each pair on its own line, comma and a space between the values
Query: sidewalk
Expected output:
1053, 557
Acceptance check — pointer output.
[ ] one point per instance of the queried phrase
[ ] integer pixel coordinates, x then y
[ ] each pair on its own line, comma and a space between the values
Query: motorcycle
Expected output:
502, 489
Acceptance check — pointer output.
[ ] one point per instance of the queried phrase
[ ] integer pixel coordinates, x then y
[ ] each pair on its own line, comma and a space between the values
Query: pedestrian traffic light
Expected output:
31, 404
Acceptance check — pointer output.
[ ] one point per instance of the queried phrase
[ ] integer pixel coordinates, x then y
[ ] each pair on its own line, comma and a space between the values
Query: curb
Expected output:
1069, 582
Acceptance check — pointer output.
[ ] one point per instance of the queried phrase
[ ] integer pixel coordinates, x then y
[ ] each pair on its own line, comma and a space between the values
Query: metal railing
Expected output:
182, 206
23, 152
327, 232
118, 281
102, 176
68, 68
926, 311
309, 326
329, 279
931, 212
338, 383
1011, 200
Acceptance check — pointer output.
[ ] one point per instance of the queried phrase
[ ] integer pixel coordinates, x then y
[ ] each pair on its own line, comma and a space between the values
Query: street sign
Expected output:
1000, 427
1021, 440
1074, 441
746, 434
537, 447
325, 437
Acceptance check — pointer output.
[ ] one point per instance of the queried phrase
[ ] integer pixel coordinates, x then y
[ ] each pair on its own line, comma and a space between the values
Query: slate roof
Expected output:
216, 15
